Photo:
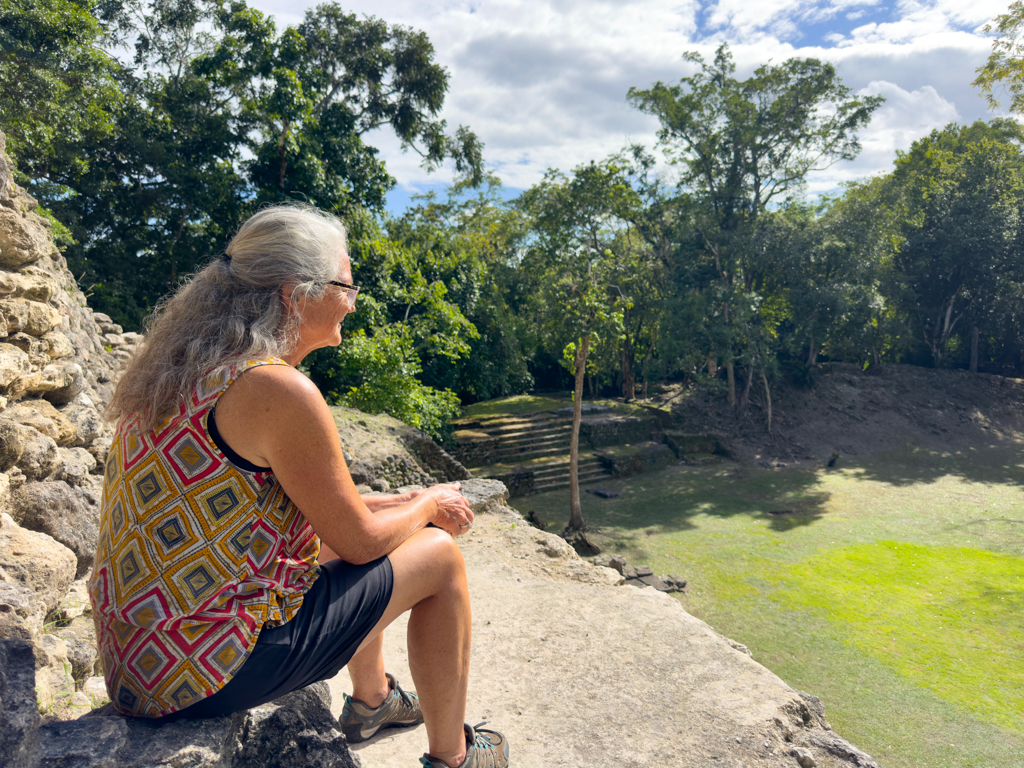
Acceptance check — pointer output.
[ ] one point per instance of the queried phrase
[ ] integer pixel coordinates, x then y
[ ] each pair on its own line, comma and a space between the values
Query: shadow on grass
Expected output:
675, 500
995, 463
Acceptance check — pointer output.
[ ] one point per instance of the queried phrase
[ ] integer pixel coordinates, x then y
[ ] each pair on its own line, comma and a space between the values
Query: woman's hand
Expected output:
453, 512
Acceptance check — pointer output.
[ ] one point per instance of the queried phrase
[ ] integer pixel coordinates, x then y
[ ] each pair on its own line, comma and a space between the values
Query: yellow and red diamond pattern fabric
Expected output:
195, 555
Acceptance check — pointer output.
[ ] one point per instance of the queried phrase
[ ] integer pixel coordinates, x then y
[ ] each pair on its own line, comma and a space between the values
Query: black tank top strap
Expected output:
220, 442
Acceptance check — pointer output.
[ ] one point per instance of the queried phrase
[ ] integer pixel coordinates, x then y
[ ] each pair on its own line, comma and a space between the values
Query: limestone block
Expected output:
96, 689
36, 575
113, 339
43, 416
76, 464
54, 683
58, 382
101, 318
39, 456
58, 344
5, 493
14, 364
295, 731
35, 284
36, 349
22, 240
86, 419
19, 717
99, 448
8, 282
483, 494
12, 445
76, 601
69, 515
33, 317
22, 613
80, 638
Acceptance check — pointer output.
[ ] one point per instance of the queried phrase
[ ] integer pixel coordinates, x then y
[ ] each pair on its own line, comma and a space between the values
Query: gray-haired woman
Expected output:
212, 591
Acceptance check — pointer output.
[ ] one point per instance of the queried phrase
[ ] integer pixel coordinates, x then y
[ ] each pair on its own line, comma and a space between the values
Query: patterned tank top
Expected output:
195, 555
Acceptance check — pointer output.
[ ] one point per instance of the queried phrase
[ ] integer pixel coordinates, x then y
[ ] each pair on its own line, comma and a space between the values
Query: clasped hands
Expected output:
453, 513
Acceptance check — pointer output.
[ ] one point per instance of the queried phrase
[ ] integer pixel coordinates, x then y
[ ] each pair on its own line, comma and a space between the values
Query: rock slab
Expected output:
577, 672
295, 731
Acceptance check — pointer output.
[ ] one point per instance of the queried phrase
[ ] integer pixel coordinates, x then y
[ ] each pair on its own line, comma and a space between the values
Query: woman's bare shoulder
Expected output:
270, 389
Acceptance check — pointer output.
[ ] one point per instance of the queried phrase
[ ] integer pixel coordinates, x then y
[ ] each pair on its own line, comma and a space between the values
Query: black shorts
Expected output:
338, 612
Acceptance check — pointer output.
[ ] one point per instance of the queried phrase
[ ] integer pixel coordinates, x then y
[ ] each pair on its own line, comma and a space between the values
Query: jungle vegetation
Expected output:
612, 277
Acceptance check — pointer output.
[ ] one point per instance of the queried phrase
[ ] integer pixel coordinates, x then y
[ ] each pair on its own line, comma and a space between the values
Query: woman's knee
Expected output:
430, 556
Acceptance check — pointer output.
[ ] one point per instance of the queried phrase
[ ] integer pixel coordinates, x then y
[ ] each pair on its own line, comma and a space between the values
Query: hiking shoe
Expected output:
359, 722
484, 749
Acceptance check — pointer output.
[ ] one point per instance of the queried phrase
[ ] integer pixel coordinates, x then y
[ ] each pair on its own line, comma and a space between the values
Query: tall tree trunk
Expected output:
974, 349
812, 354
768, 398
575, 508
628, 379
730, 375
745, 397
712, 366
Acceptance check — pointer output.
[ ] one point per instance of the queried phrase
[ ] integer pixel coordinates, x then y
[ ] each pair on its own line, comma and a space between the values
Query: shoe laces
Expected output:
479, 742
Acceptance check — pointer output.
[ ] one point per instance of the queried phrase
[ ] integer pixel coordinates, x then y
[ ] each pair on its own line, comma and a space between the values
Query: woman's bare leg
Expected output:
430, 580
366, 668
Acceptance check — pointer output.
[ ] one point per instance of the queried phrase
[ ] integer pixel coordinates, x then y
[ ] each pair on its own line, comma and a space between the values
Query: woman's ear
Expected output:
287, 298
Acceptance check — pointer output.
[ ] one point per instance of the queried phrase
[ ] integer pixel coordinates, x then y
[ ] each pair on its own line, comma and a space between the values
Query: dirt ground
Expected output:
854, 412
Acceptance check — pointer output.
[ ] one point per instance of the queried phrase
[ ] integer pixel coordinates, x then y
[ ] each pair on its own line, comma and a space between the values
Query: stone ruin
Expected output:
58, 363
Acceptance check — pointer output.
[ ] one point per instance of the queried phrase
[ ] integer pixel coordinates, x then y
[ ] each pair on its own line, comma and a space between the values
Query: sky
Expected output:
543, 82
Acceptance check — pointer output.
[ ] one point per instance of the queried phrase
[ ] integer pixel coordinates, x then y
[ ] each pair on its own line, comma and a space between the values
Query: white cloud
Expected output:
543, 82
904, 117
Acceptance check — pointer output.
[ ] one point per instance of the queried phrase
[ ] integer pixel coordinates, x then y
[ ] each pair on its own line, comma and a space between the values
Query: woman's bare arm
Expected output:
274, 416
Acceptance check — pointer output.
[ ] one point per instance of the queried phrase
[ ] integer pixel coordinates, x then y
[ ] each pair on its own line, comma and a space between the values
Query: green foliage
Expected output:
1004, 68
960, 193
57, 85
384, 369
220, 114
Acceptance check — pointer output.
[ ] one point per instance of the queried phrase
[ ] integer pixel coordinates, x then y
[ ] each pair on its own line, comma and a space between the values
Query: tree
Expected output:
963, 191
743, 146
1005, 65
58, 86
469, 241
222, 113
576, 223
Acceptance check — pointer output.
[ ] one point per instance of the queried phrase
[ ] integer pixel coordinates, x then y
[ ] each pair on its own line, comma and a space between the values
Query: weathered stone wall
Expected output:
58, 361
615, 430
628, 460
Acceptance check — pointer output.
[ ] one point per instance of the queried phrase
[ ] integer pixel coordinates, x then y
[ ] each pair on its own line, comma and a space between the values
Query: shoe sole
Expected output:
355, 735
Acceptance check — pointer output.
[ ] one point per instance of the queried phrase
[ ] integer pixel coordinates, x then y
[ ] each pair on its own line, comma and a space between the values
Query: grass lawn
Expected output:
892, 588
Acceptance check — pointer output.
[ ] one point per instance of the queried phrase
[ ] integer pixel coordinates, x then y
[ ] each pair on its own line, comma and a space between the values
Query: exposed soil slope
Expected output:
854, 412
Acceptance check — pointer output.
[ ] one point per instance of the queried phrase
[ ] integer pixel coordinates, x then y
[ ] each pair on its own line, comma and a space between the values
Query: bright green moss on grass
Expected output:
890, 587
950, 619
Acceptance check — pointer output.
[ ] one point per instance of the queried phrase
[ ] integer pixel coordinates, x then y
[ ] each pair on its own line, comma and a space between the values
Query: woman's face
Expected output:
320, 320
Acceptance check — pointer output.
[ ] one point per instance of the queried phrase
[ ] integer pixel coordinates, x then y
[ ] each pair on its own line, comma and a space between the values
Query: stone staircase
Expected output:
536, 444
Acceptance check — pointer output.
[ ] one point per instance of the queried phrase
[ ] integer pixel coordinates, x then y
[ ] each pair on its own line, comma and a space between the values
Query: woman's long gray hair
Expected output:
233, 308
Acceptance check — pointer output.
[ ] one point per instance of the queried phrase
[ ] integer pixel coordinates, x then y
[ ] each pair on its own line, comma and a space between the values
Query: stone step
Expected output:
514, 453
517, 456
563, 482
523, 432
499, 422
534, 437
563, 469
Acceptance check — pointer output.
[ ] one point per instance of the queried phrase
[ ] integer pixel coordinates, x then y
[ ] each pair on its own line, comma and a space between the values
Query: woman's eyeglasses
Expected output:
351, 291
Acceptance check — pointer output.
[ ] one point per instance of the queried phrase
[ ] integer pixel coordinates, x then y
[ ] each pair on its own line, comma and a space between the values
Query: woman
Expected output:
212, 591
